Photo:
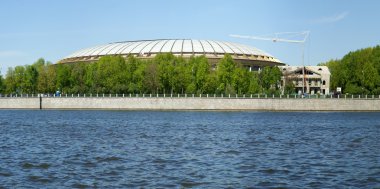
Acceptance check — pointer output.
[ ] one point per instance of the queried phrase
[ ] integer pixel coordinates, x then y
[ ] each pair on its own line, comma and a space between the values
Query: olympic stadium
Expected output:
248, 56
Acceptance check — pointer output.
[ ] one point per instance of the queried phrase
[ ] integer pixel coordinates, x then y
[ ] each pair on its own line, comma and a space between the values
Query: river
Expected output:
175, 149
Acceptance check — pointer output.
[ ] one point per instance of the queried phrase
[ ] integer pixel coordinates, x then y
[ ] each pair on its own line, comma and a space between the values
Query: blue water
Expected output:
147, 149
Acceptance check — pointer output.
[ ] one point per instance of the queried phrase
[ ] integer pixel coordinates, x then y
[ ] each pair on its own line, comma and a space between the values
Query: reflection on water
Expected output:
123, 149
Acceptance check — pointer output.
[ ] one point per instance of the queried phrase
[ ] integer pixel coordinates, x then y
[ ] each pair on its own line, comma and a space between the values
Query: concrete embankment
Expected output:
19, 103
193, 104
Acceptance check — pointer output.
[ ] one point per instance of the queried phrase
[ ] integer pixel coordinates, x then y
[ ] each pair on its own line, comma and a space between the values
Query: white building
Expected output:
250, 57
314, 79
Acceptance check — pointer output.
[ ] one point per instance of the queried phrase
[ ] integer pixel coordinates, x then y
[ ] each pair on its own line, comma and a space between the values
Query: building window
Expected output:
323, 82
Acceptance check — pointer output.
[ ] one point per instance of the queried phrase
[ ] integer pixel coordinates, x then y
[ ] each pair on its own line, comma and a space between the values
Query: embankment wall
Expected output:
137, 103
19, 103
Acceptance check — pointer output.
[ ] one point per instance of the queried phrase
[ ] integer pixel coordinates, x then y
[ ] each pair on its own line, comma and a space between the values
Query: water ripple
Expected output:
124, 149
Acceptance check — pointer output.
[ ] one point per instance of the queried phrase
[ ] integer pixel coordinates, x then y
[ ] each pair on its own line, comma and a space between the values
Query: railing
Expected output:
237, 96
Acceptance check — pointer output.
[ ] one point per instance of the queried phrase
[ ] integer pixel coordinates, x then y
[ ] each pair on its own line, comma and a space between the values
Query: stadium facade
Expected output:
250, 57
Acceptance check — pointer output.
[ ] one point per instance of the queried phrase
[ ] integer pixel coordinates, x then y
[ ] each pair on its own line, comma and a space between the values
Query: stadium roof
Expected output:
183, 47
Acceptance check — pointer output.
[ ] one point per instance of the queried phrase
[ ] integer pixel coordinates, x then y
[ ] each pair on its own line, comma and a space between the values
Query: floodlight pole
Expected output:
303, 68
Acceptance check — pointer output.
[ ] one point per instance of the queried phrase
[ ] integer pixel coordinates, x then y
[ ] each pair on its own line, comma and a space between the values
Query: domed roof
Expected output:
176, 46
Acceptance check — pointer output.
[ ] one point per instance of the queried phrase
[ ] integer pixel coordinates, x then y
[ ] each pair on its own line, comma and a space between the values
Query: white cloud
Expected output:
11, 54
333, 18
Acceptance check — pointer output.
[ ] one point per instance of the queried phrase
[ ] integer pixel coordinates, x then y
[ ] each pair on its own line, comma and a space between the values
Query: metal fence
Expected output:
237, 96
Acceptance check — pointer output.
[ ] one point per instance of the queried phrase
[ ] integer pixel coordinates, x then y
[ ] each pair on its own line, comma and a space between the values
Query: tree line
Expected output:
165, 73
357, 72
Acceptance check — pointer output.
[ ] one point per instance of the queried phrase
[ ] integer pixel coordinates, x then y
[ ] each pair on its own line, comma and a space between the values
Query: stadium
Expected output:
250, 57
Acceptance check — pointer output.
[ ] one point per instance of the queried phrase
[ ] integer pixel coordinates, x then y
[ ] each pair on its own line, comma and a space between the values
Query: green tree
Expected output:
167, 75
151, 79
131, 79
357, 72
138, 78
63, 78
15, 80
2, 85
10, 81
270, 78
337, 78
211, 84
370, 77
30, 80
254, 83
197, 74
77, 78
182, 75
91, 78
111, 75
192, 66
289, 88
202, 72
20, 79
225, 70
46, 82
241, 80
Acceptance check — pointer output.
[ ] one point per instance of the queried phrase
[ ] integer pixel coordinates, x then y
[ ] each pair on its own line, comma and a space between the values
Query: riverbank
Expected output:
167, 103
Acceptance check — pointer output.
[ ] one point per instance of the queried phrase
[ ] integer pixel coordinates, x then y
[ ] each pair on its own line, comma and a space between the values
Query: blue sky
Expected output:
54, 29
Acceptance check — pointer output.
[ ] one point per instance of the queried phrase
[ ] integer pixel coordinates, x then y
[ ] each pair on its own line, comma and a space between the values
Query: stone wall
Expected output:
193, 104
19, 103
